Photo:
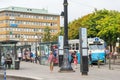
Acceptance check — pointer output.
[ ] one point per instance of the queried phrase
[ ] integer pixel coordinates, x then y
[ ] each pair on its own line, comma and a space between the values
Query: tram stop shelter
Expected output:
9, 47
45, 48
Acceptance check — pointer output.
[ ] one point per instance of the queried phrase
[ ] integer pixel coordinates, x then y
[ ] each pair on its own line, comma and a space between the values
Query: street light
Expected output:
39, 41
66, 66
40, 49
36, 49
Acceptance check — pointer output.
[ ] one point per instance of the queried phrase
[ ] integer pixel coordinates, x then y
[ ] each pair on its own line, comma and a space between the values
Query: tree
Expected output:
101, 23
47, 35
55, 37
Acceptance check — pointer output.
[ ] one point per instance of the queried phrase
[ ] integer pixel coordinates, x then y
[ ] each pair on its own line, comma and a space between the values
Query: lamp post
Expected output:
39, 42
66, 66
0, 54
36, 49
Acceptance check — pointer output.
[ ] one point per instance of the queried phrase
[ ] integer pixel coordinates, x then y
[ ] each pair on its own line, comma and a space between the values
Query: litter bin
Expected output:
17, 64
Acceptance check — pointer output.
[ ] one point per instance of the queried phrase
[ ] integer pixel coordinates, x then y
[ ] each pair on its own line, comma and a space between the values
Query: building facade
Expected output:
24, 24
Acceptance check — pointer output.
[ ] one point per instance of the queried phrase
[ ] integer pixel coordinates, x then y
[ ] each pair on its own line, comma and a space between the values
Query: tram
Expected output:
97, 48
95, 45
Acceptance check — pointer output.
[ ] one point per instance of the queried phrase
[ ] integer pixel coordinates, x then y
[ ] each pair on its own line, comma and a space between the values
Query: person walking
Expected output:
51, 61
3, 59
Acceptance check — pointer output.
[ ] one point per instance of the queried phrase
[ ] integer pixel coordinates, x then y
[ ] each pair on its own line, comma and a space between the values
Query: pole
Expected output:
4, 72
40, 54
66, 66
36, 51
83, 51
40, 50
15, 52
118, 45
110, 52
0, 55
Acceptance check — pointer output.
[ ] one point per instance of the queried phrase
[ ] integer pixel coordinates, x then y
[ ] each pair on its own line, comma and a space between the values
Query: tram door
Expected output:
74, 46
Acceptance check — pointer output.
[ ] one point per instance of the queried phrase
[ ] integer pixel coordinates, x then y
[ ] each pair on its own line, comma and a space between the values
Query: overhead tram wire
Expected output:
79, 4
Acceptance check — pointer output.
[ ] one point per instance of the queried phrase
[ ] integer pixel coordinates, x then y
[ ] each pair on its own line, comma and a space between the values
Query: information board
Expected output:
60, 45
84, 41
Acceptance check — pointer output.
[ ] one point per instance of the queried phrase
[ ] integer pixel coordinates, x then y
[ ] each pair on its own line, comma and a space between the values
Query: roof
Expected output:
28, 10
44, 43
9, 42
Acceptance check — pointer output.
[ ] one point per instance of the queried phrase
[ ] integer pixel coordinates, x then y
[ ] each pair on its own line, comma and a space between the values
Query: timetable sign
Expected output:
84, 37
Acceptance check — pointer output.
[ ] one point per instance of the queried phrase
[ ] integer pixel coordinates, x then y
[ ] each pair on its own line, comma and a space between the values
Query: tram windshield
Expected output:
96, 46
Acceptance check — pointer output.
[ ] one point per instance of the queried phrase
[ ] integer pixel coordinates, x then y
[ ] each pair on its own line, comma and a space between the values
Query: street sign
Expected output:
13, 25
96, 39
117, 44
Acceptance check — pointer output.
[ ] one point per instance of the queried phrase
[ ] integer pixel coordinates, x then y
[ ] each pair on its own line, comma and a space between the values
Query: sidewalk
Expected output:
41, 72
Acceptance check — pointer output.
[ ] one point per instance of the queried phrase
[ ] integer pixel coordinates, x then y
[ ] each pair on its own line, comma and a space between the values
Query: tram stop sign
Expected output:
96, 39
83, 51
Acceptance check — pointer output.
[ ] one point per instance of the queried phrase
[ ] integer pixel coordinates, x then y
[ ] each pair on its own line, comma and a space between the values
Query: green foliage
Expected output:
101, 23
73, 29
55, 37
47, 35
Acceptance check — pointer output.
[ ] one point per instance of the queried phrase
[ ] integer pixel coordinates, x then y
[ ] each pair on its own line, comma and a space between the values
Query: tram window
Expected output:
73, 46
77, 46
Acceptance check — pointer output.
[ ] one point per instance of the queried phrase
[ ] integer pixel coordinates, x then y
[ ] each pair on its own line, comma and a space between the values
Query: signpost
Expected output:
60, 47
83, 51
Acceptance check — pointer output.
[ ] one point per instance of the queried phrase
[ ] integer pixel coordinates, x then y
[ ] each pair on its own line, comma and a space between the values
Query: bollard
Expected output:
110, 61
4, 73
114, 57
98, 63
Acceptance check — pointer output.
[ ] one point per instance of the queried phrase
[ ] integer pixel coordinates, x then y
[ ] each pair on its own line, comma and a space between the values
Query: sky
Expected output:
76, 8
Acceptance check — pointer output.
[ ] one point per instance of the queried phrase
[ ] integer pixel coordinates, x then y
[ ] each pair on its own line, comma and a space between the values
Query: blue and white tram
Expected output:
95, 45
97, 48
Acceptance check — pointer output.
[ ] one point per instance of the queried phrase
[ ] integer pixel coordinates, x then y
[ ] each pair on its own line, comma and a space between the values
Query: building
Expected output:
24, 24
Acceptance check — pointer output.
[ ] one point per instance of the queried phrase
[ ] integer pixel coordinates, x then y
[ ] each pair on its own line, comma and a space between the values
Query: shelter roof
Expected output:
9, 42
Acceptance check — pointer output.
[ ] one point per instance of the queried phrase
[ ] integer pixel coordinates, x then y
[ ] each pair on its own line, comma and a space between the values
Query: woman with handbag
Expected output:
51, 61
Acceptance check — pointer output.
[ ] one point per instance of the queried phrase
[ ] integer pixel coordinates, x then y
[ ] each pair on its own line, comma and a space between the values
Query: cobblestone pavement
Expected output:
42, 72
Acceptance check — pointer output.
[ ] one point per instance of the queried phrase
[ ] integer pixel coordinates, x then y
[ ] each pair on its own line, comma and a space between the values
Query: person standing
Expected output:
115, 54
8, 61
51, 61
75, 61
20, 56
107, 52
31, 57
72, 57
90, 58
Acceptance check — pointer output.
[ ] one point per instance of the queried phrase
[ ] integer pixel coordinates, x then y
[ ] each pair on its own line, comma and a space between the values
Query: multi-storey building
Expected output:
24, 24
